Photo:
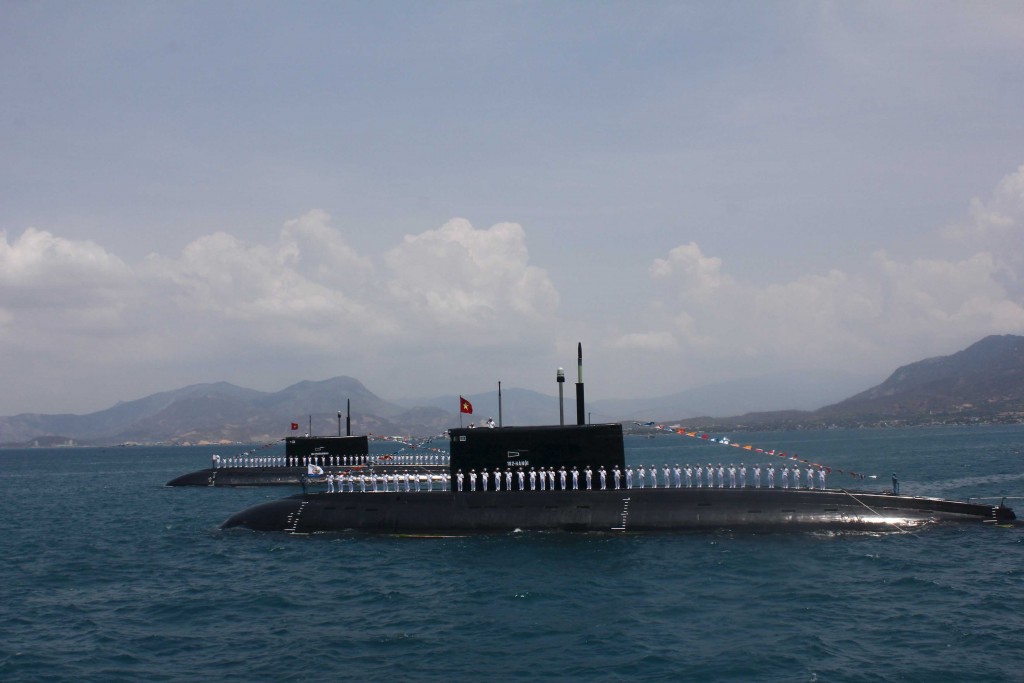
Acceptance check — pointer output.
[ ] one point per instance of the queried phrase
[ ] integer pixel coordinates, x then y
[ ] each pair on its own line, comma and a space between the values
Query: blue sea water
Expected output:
106, 575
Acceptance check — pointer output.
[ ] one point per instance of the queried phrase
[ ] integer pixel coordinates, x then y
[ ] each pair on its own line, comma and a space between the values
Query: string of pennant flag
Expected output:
726, 441
421, 445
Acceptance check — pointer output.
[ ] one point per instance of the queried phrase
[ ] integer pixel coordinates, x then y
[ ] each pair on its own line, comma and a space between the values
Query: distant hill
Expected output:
982, 383
222, 412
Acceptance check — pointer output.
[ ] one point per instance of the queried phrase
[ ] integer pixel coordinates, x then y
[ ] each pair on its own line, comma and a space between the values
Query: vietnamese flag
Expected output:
465, 406
295, 425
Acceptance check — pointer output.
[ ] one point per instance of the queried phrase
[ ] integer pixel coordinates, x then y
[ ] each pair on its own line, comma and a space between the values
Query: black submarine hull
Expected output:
241, 476
632, 510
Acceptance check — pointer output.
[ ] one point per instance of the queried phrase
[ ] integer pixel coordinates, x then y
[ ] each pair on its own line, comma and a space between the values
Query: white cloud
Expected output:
81, 312
59, 291
471, 279
888, 313
997, 226
690, 269
41, 269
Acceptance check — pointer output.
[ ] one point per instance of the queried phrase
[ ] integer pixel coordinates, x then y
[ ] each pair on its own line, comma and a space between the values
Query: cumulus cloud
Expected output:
997, 226
41, 269
58, 289
690, 269
79, 311
305, 284
889, 312
472, 279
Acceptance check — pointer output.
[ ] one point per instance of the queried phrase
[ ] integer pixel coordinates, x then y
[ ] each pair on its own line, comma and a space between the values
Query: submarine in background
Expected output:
509, 504
331, 454
290, 468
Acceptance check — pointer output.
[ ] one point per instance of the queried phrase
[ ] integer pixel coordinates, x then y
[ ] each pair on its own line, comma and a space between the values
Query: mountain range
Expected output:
984, 382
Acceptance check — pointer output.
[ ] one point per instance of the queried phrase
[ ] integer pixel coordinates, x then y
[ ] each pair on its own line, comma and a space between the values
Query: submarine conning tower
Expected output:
556, 446
317, 447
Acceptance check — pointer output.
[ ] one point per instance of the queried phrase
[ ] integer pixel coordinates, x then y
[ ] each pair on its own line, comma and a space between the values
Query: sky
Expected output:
435, 197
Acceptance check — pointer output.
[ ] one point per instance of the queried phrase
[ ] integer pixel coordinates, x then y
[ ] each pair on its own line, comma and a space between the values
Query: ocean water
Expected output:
106, 575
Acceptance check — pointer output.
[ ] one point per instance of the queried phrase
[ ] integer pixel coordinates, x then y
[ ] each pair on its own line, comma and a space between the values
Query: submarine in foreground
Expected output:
598, 505
594, 510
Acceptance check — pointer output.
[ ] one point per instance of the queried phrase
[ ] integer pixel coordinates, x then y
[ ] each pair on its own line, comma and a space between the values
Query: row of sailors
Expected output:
331, 460
691, 477
379, 482
550, 479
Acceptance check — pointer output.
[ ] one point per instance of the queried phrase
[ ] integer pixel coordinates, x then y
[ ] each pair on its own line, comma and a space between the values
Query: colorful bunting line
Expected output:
726, 441
421, 445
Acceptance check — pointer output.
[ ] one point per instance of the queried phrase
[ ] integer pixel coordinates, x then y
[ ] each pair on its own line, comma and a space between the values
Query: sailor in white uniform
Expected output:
721, 476
666, 471
459, 476
561, 478
472, 480
677, 471
821, 478
575, 479
330, 483
757, 476
533, 479
497, 480
810, 477
483, 479
522, 478
796, 476
771, 476
743, 476
508, 480
689, 476
629, 477
604, 478
588, 476
785, 476
732, 476
641, 475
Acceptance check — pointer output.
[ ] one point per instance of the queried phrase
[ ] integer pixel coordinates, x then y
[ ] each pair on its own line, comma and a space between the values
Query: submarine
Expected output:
331, 454
473, 502
300, 451
605, 510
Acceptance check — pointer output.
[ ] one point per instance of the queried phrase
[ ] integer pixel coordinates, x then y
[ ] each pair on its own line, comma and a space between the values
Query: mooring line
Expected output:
898, 527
